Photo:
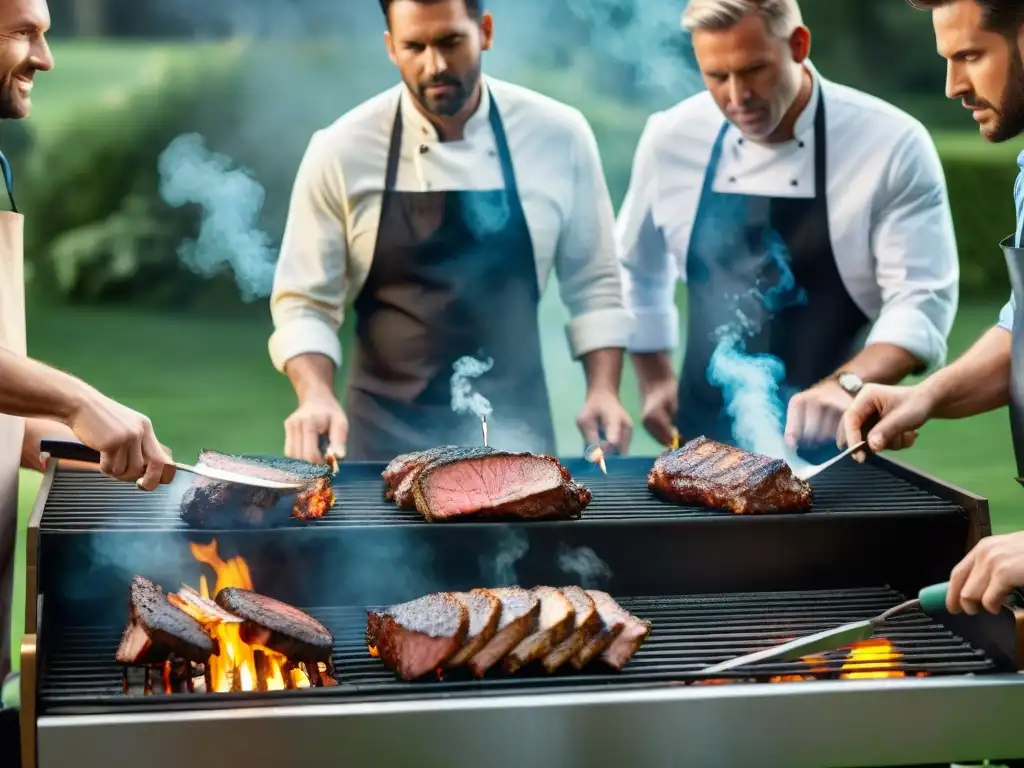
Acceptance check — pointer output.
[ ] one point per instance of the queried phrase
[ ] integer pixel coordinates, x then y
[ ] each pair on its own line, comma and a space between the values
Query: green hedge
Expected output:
99, 232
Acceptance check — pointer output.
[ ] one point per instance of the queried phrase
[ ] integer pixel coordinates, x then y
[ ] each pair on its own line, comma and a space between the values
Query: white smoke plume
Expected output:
464, 398
589, 570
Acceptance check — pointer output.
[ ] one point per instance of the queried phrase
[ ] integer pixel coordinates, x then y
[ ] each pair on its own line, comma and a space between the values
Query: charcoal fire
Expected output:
595, 455
544, 627
237, 641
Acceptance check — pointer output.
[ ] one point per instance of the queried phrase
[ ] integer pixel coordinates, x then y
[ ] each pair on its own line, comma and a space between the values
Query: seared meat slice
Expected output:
156, 629
277, 626
401, 491
498, 485
634, 630
555, 624
419, 636
402, 465
519, 611
484, 613
609, 614
587, 625
719, 476
213, 503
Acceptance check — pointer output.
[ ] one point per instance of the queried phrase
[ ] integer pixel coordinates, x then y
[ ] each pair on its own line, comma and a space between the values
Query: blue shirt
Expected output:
1006, 314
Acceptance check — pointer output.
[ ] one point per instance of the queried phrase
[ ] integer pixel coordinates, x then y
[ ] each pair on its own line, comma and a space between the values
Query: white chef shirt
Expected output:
332, 224
889, 216
1008, 310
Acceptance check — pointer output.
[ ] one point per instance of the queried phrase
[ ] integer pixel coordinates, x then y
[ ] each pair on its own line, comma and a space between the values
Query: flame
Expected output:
595, 455
373, 651
675, 439
877, 654
238, 665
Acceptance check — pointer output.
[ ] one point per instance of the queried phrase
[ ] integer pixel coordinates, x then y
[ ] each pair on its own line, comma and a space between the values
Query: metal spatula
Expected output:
808, 472
931, 600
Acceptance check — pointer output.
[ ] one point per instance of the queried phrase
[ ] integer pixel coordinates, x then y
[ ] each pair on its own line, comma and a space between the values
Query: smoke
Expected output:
464, 399
231, 200
500, 569
589, 570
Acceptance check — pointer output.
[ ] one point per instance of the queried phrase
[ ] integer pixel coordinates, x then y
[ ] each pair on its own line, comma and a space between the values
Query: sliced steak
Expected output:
498, 486
401, 492
719, 476
484, 614
156, 630
214, 503
419, 636
587, 624
519, 611
555, 624
277, 626
609, 613
634, 630
402, 465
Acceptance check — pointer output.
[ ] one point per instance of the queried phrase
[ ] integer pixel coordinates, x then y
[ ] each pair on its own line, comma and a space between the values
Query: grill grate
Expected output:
689, 633
80, 501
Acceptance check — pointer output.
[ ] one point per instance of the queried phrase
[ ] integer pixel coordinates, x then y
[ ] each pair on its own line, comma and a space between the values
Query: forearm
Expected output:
652, 368
31, 389
311, 375
882, 363
976, 383
603, 369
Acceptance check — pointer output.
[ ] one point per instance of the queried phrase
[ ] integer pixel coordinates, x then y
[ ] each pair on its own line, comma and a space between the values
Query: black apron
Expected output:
801, 314
453, 275
1015, 266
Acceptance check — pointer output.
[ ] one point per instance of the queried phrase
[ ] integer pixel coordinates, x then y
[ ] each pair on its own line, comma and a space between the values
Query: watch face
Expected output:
850, 382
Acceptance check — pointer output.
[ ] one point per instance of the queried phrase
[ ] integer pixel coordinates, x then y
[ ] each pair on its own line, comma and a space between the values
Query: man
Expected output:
801, 214
36, 401
982, 42
438, 210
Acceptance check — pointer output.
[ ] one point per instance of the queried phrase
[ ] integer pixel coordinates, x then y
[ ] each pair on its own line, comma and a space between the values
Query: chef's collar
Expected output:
426, 131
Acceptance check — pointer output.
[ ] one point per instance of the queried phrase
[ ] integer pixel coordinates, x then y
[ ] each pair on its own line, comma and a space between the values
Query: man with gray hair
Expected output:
810, 223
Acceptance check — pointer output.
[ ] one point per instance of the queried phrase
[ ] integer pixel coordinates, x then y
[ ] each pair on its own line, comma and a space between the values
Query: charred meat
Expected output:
633, 634
209, 503
403, 471
712, 474
611, 623
519, 611
587, 625
498, 485
156, 630
277, 626
419, 636
554, 624
484, 613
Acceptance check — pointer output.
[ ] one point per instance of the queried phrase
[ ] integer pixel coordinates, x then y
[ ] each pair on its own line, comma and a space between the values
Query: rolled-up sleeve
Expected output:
914, 244
1006, 314
308, 299
585, 262
649, 273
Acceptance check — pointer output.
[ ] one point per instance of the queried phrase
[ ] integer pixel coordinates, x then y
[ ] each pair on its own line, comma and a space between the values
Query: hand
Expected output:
125, 439
814, 414
37, 430
319, 414
661, 401
603, 414
902, 411
987, 576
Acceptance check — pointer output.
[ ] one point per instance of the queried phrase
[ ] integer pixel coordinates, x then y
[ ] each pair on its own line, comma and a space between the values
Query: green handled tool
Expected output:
931, 600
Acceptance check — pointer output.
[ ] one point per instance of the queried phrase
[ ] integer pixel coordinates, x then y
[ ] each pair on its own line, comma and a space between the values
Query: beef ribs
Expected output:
554, 624
633, 634
519, 611
215, 503
156, 630
419, 636
498, 485
411, 464
587, 624
484, 614
719, 476
277, 626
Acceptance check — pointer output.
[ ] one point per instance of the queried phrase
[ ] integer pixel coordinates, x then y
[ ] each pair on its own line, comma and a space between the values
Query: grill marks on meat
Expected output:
419, 636
156, 629
712, 474
214, 503
498, 485
509, 625
402, 472
277, 626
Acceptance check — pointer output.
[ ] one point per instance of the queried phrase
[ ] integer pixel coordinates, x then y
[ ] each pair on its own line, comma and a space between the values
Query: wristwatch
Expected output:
850, 382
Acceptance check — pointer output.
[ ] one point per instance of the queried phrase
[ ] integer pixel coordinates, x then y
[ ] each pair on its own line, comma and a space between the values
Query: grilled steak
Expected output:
419, 636
156, 629
609, 614
555, 624
587, 625
277, 626
400, 488
634, 630
214, 503
498, 485
719, 476
519, 611
484, 613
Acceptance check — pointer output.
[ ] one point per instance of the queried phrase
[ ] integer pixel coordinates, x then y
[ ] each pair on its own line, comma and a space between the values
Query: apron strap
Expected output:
8, 180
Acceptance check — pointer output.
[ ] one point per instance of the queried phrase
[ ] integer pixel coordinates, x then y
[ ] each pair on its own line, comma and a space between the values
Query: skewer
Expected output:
675, 439
483, 427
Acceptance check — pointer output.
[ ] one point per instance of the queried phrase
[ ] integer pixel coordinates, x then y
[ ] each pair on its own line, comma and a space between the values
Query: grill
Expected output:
713, 585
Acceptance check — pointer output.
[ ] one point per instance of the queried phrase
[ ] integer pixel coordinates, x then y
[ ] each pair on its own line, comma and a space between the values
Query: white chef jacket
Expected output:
1008, 310
331, 230
889, 216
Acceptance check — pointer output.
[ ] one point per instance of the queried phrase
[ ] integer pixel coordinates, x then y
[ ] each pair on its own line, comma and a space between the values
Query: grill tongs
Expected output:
931, 600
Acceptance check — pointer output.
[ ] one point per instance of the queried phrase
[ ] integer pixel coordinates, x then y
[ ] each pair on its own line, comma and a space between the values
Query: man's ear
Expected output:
389, 43
800, 44
486, 31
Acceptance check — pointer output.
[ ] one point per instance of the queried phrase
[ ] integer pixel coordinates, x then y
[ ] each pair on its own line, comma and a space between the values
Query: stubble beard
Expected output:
1009, 123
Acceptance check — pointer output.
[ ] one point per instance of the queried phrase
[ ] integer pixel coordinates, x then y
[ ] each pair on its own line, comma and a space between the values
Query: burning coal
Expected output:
231, 200
589, 570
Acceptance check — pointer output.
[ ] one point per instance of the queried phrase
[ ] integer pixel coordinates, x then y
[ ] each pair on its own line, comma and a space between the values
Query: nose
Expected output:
737, 91
436, 63
41, 57
957, 83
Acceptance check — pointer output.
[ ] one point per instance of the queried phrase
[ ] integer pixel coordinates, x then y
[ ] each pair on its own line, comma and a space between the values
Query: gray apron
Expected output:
1015, 266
